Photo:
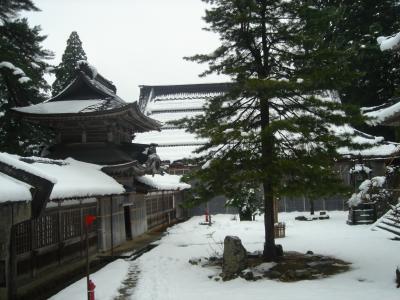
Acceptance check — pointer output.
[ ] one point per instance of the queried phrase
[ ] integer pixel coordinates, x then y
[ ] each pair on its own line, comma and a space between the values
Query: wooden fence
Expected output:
160, 208
53, 238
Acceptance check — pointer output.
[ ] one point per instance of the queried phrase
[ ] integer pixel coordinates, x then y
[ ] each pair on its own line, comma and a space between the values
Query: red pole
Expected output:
91, 289
87, 262
89, 284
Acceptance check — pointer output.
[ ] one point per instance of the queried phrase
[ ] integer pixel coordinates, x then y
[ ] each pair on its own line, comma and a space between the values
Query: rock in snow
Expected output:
235, 257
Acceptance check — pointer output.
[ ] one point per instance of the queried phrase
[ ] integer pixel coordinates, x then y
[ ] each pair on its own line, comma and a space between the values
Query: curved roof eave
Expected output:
131, 109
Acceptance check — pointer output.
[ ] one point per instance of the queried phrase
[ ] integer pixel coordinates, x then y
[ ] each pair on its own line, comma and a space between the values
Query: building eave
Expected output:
130, 111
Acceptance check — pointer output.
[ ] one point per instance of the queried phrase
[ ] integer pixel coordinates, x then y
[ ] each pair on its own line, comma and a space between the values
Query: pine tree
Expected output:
10, 8
66, 69
356, 31
22, 66
276, 126
248, 201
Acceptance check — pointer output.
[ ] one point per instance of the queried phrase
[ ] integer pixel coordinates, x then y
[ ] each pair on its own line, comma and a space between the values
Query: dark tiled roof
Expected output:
152, 91
88, 95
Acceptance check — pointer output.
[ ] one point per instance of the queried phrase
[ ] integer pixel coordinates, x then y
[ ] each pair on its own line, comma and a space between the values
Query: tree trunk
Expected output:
267, 145
312, 211
245, 215
267, 150
269, 244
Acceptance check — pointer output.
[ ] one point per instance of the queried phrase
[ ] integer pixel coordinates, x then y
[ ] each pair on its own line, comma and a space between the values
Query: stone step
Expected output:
391, 223
389, 229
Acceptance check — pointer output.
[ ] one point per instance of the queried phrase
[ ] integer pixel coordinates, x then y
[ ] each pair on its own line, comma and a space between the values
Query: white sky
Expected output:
131, 42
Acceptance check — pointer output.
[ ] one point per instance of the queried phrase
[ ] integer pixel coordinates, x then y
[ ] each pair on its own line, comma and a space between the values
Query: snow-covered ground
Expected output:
165, 273
107, 282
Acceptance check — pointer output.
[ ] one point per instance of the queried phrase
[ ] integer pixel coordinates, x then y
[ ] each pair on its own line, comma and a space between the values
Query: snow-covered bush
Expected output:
249, 203
378, 190
359, 173
370, 190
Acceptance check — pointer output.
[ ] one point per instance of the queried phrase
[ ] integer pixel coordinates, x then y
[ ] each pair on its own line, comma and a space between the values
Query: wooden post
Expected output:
87, 261
12, 278
34, 246
31, 262
88, 222
84, 137
312, 210
60, 245
111, 225
82, 226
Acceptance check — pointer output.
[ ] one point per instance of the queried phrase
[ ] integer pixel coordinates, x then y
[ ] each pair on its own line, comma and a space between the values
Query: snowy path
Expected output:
166, 273
127, 287
107, 281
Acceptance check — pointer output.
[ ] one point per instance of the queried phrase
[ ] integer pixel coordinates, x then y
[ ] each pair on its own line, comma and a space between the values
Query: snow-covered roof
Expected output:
163, 182
87, 92
377, 146
64, 107
88, 95
174, 153
389, 42
160, 104
171, 103
71, 178
167, 116
380, 150
13, 189
170, 137
168, 104
79, 179
14, 161
382, 114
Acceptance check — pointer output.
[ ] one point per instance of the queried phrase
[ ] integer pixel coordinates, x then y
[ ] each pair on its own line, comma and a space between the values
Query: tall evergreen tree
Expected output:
10, 8
275, 126
22, 66
66, 69
356, 31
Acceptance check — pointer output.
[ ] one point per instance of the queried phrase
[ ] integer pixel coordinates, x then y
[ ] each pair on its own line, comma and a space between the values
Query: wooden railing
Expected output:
51, 239
160, 209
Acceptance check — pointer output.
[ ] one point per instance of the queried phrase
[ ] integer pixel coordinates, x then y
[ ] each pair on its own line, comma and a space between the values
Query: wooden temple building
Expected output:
175, 146
173, 102
92, 168
166, 103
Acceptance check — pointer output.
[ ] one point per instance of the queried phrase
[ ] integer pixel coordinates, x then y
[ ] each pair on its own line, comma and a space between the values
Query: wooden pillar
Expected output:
111, 226
110, 135
59, 230
32, 253
12, 278
82, 227
12, 274
84, 137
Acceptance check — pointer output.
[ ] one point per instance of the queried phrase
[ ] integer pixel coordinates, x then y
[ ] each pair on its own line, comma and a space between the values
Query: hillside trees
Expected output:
277, 126
22, 66
356, 30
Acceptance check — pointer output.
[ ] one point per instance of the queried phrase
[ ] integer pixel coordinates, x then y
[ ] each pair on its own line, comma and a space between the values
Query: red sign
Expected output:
89, 219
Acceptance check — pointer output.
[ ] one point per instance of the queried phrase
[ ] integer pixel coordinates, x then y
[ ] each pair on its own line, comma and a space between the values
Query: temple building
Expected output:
176, 147
92, 168
166, 103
